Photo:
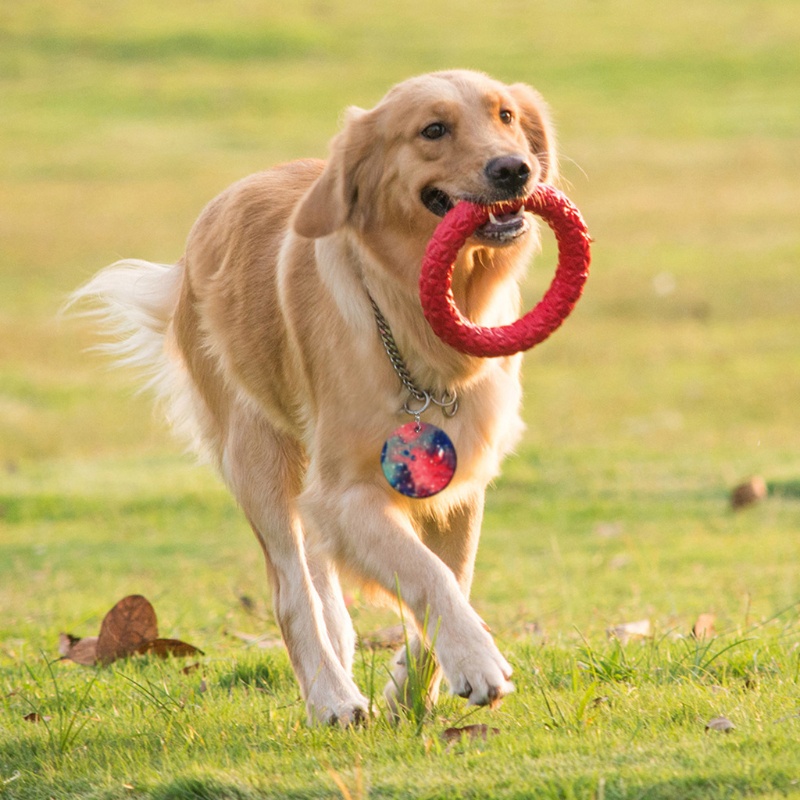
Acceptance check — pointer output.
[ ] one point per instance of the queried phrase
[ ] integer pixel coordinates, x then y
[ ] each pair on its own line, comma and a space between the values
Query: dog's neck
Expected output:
486, 290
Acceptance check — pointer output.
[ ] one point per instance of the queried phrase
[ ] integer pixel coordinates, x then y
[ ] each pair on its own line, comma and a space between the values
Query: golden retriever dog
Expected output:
263, 342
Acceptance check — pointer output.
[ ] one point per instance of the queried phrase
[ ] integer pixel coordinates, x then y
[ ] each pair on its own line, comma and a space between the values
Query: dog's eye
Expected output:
506, 116
434, 131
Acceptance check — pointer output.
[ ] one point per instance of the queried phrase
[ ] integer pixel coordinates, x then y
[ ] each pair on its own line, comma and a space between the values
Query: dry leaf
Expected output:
748, 493
81, 651
129, 625
619, 561
65, 642
630, 630
389, 638
534, 629
263, 640
720, 724
35, 717
608, 530
163, 648
250, 638
130, 628
704, 627
452, 735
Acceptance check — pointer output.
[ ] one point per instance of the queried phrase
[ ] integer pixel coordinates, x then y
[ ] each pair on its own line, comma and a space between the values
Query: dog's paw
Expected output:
346, 714
399, 700
478, 673
351, 716
485, 693
400, 690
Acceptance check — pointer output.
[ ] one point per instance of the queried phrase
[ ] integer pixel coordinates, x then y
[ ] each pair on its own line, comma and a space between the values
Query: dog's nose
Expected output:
508, 173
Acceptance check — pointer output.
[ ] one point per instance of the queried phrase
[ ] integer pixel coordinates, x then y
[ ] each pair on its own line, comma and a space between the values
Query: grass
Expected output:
675, 379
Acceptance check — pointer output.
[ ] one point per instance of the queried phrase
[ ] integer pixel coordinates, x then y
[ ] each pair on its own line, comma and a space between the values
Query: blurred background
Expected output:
676, 378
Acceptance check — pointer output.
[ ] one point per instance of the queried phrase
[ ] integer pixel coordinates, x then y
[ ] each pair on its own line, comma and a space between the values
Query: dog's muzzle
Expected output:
507, 179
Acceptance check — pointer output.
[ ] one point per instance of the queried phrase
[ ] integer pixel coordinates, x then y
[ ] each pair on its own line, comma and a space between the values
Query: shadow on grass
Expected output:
707, 786
788, 490
269, 674
202, 788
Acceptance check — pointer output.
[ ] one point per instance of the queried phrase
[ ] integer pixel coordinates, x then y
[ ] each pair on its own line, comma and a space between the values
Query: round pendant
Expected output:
418, 459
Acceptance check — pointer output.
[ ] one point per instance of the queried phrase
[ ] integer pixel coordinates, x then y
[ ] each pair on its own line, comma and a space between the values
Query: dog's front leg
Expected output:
304, 617
455, 541
337, 619
329, 691
264, 469
376, 538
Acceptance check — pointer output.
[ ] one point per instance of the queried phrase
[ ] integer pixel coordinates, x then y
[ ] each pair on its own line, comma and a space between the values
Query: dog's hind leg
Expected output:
412, 661
264, 468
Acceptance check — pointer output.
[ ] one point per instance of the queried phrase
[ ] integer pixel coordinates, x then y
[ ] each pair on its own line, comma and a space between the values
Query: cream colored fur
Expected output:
264, 345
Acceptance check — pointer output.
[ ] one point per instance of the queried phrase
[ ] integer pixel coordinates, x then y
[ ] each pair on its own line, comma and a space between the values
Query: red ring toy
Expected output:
435, 281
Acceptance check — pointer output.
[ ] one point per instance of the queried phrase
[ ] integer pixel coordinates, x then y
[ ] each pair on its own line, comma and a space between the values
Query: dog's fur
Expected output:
263, 341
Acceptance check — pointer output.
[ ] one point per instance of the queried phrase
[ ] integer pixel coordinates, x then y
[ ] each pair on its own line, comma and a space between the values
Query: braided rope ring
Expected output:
435, 282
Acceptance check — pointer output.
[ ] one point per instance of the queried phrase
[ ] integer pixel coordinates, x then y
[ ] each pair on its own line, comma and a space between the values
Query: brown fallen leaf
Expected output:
163, 648
722, 724
81, 651
535, 629
748, 493
608, 530
452, 735
640, 629
704, 627
263, 640
36, 717
130, 624
247, 603
66, 641
389, 638
129, 629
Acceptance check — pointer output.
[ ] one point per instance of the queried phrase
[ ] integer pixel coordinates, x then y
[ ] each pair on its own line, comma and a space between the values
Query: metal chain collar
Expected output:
448, 402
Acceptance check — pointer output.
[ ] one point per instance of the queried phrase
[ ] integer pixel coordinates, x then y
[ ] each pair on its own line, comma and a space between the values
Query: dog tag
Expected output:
418, 459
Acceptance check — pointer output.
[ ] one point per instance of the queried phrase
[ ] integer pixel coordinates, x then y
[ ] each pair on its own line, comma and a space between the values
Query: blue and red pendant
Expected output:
418, 459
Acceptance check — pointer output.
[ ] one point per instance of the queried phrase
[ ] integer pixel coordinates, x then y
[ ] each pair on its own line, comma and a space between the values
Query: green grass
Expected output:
675, 379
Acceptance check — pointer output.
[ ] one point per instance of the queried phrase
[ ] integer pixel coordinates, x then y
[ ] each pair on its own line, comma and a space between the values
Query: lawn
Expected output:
675, 379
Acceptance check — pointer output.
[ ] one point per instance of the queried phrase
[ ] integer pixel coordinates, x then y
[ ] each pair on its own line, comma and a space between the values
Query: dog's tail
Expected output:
133, 303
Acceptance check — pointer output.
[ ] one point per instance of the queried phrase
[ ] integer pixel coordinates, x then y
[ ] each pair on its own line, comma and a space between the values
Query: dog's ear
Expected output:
539, 130
328, 204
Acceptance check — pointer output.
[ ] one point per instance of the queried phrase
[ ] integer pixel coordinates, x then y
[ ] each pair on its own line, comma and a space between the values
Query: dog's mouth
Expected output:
502, 227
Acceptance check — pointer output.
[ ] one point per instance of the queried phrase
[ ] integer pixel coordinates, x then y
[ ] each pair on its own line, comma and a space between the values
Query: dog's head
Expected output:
432, 141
